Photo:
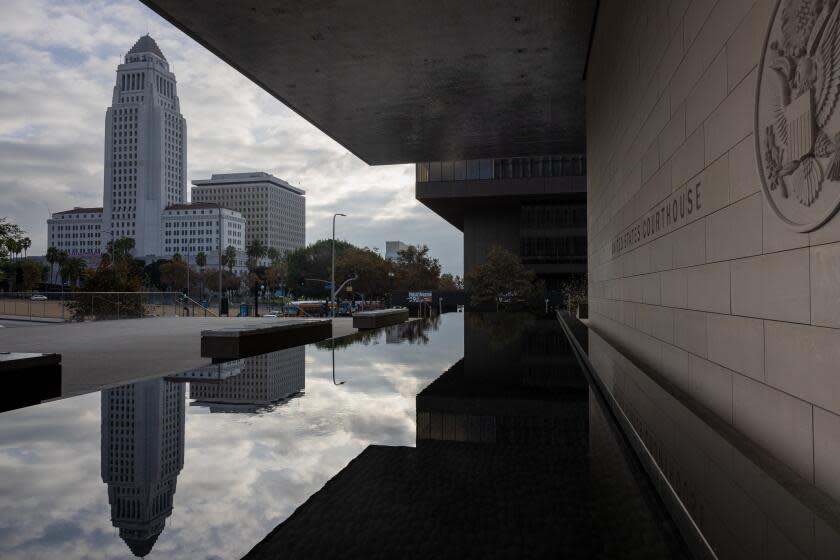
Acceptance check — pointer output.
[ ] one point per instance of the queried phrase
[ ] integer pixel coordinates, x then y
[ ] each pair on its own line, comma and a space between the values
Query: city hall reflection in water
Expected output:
143, 432
142, 455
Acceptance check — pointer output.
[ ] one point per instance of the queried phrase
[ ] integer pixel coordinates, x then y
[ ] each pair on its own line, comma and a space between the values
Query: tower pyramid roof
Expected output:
146, 44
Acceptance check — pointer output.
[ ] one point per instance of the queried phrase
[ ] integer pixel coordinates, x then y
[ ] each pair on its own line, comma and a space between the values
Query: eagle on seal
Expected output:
806, 62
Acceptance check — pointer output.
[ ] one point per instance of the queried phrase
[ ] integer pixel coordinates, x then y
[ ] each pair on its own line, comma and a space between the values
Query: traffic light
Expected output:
302, 282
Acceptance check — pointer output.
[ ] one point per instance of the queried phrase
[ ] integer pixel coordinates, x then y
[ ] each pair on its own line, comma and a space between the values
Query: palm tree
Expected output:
229, 258
273, 254
201, 262
13, 246
25, 244
256, 250
52, 258
120, 249
62, 258
72, 269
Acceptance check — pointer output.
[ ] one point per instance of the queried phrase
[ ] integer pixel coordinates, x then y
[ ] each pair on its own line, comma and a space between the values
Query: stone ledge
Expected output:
14, 361
379, 318
241, 342
29, 378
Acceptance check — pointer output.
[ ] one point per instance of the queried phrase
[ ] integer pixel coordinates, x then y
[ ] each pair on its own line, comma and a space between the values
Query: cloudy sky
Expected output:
59, 65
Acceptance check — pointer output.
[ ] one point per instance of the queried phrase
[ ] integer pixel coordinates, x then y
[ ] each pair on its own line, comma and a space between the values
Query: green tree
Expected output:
499, 279
52, 258
450, 283
10, 237
201, 262
32, 274
173, 274
371, 269
312, 261
229, 258
113, 277
120, 249
256, 250
274, 276
416, 270
72, 270
13, 247
273, 254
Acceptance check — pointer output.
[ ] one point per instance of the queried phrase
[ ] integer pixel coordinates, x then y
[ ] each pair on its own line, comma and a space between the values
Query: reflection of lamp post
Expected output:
333, 363
391, 288
332, 278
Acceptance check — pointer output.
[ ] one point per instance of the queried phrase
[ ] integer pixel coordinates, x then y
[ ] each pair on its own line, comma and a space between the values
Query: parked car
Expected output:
38, 297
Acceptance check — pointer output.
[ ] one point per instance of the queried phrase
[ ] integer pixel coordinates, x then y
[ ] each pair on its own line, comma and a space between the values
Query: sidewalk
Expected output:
27, 319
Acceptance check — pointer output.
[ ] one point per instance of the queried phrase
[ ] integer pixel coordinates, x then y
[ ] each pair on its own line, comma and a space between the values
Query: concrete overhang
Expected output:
450, 199
407, 81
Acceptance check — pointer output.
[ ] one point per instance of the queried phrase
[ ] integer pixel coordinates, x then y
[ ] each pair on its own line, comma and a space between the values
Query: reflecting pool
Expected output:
457, 436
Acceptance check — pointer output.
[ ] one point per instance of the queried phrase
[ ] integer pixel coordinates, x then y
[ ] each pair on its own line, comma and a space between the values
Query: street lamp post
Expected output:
332, 277
391, 288
219, 204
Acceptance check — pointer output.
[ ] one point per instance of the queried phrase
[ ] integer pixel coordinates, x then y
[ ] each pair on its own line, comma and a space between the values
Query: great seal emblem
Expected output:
797, 125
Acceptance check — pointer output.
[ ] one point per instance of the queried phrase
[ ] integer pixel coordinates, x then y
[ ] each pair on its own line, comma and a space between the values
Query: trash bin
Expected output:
244, 310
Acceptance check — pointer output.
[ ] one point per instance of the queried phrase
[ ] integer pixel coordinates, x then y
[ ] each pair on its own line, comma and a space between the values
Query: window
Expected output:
434, 171
472, 169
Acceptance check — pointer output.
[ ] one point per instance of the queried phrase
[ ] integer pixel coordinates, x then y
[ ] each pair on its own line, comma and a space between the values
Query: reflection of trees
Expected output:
501, 329
413, 332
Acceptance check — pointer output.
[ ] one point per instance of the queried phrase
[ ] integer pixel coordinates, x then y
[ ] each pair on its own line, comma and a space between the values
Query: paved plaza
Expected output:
106, 353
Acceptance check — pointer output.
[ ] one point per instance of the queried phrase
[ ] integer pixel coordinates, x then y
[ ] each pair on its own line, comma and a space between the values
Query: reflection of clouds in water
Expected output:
242, 474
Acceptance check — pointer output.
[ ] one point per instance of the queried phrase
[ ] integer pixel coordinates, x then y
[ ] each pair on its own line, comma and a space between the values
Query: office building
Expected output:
393, 248
275, 211
145, 149
78, 232
189, 229
535, 207
145, 163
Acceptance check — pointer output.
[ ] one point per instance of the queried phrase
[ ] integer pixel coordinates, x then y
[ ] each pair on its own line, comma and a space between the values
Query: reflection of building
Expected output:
502, 467
212, 372
263, 380
142, 454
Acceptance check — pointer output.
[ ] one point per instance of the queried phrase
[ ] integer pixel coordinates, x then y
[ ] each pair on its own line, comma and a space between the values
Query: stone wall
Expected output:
691, 271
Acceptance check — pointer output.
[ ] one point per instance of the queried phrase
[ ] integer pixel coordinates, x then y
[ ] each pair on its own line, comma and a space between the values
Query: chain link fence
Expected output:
96, 306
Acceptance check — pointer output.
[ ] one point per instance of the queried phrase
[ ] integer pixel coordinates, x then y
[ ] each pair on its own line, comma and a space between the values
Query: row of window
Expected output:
552, 249
501, 168
552, 216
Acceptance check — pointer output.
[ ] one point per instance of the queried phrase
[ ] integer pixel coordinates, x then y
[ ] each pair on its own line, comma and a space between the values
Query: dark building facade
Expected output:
534, 207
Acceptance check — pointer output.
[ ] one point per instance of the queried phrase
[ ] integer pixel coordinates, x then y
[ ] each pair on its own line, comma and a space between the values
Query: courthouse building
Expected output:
703, 136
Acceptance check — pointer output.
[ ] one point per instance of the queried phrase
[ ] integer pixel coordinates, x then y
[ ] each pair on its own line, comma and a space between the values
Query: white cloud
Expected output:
59, 65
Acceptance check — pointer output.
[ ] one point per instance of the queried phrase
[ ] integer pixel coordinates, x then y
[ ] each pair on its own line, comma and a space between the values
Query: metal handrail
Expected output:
206, 309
